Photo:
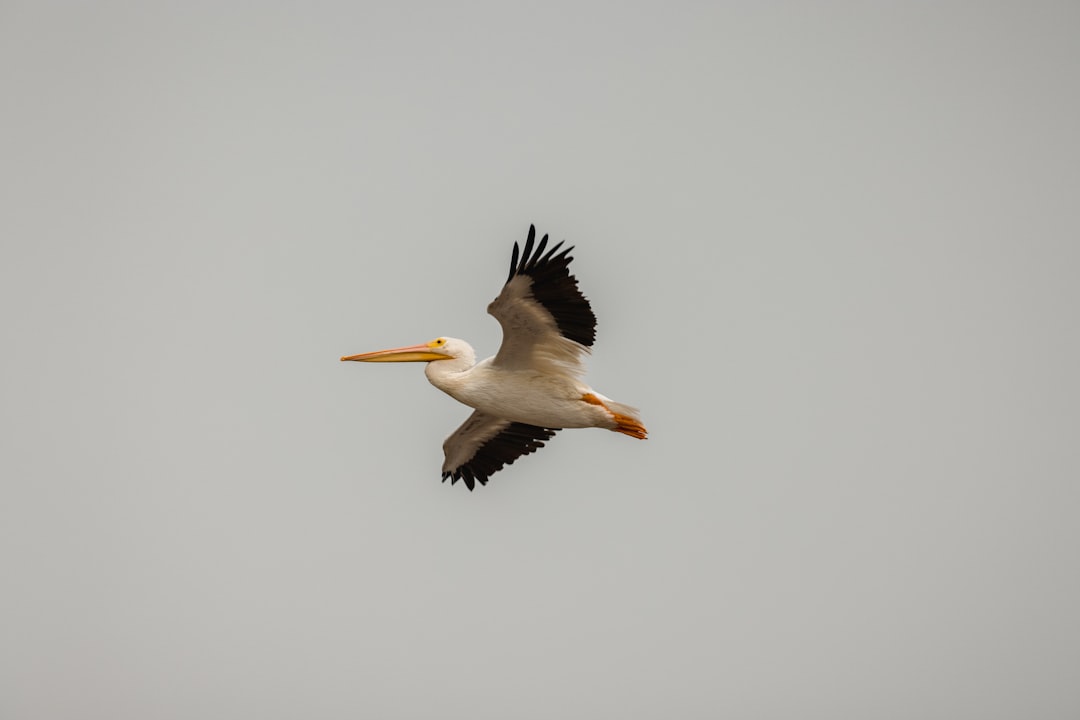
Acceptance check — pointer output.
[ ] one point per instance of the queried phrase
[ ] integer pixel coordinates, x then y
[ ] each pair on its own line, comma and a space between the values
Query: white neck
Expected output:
447, 375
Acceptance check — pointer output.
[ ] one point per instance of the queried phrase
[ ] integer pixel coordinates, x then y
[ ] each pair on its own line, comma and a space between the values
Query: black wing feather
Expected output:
515, 440
555, 288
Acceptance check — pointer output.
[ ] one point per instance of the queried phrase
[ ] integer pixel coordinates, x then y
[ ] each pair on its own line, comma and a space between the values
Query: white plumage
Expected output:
534, 385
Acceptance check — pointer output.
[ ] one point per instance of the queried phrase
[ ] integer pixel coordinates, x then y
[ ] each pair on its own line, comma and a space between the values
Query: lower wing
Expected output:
484, 444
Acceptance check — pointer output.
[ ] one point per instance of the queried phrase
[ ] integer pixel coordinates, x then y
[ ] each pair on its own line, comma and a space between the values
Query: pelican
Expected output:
534, 385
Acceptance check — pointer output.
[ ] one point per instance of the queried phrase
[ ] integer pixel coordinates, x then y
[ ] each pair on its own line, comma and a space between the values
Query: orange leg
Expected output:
623, 423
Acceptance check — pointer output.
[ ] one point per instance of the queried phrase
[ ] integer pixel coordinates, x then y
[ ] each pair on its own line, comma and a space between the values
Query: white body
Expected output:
520, 395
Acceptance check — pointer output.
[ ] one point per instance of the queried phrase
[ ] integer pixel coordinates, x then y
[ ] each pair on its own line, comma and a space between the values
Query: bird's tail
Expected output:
627, 419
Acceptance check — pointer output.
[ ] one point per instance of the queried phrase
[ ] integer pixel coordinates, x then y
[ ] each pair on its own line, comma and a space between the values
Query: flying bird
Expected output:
534, 385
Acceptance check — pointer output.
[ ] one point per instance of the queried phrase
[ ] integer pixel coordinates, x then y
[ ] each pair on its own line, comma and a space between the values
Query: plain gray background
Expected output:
833, 249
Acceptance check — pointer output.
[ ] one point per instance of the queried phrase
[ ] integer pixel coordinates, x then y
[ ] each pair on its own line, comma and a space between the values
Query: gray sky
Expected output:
833, 250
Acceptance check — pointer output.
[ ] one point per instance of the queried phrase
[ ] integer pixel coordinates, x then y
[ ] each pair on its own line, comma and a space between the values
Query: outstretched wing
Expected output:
484, 444
545, 319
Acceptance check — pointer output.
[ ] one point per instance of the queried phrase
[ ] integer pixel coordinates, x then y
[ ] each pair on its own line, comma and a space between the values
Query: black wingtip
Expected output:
529, 241
513, 263
551, 252
529, 263
525, 258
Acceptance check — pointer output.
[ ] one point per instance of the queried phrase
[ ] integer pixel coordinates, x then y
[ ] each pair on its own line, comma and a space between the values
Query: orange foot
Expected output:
623, 423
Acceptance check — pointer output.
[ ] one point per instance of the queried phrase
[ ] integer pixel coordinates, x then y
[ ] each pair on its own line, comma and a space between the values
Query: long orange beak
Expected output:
413, 353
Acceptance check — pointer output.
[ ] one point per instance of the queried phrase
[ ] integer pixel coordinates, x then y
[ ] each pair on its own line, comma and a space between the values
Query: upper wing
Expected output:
543, 314
484, 444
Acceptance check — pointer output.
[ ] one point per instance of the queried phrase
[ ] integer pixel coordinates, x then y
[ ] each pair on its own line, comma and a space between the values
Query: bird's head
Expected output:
442, 348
